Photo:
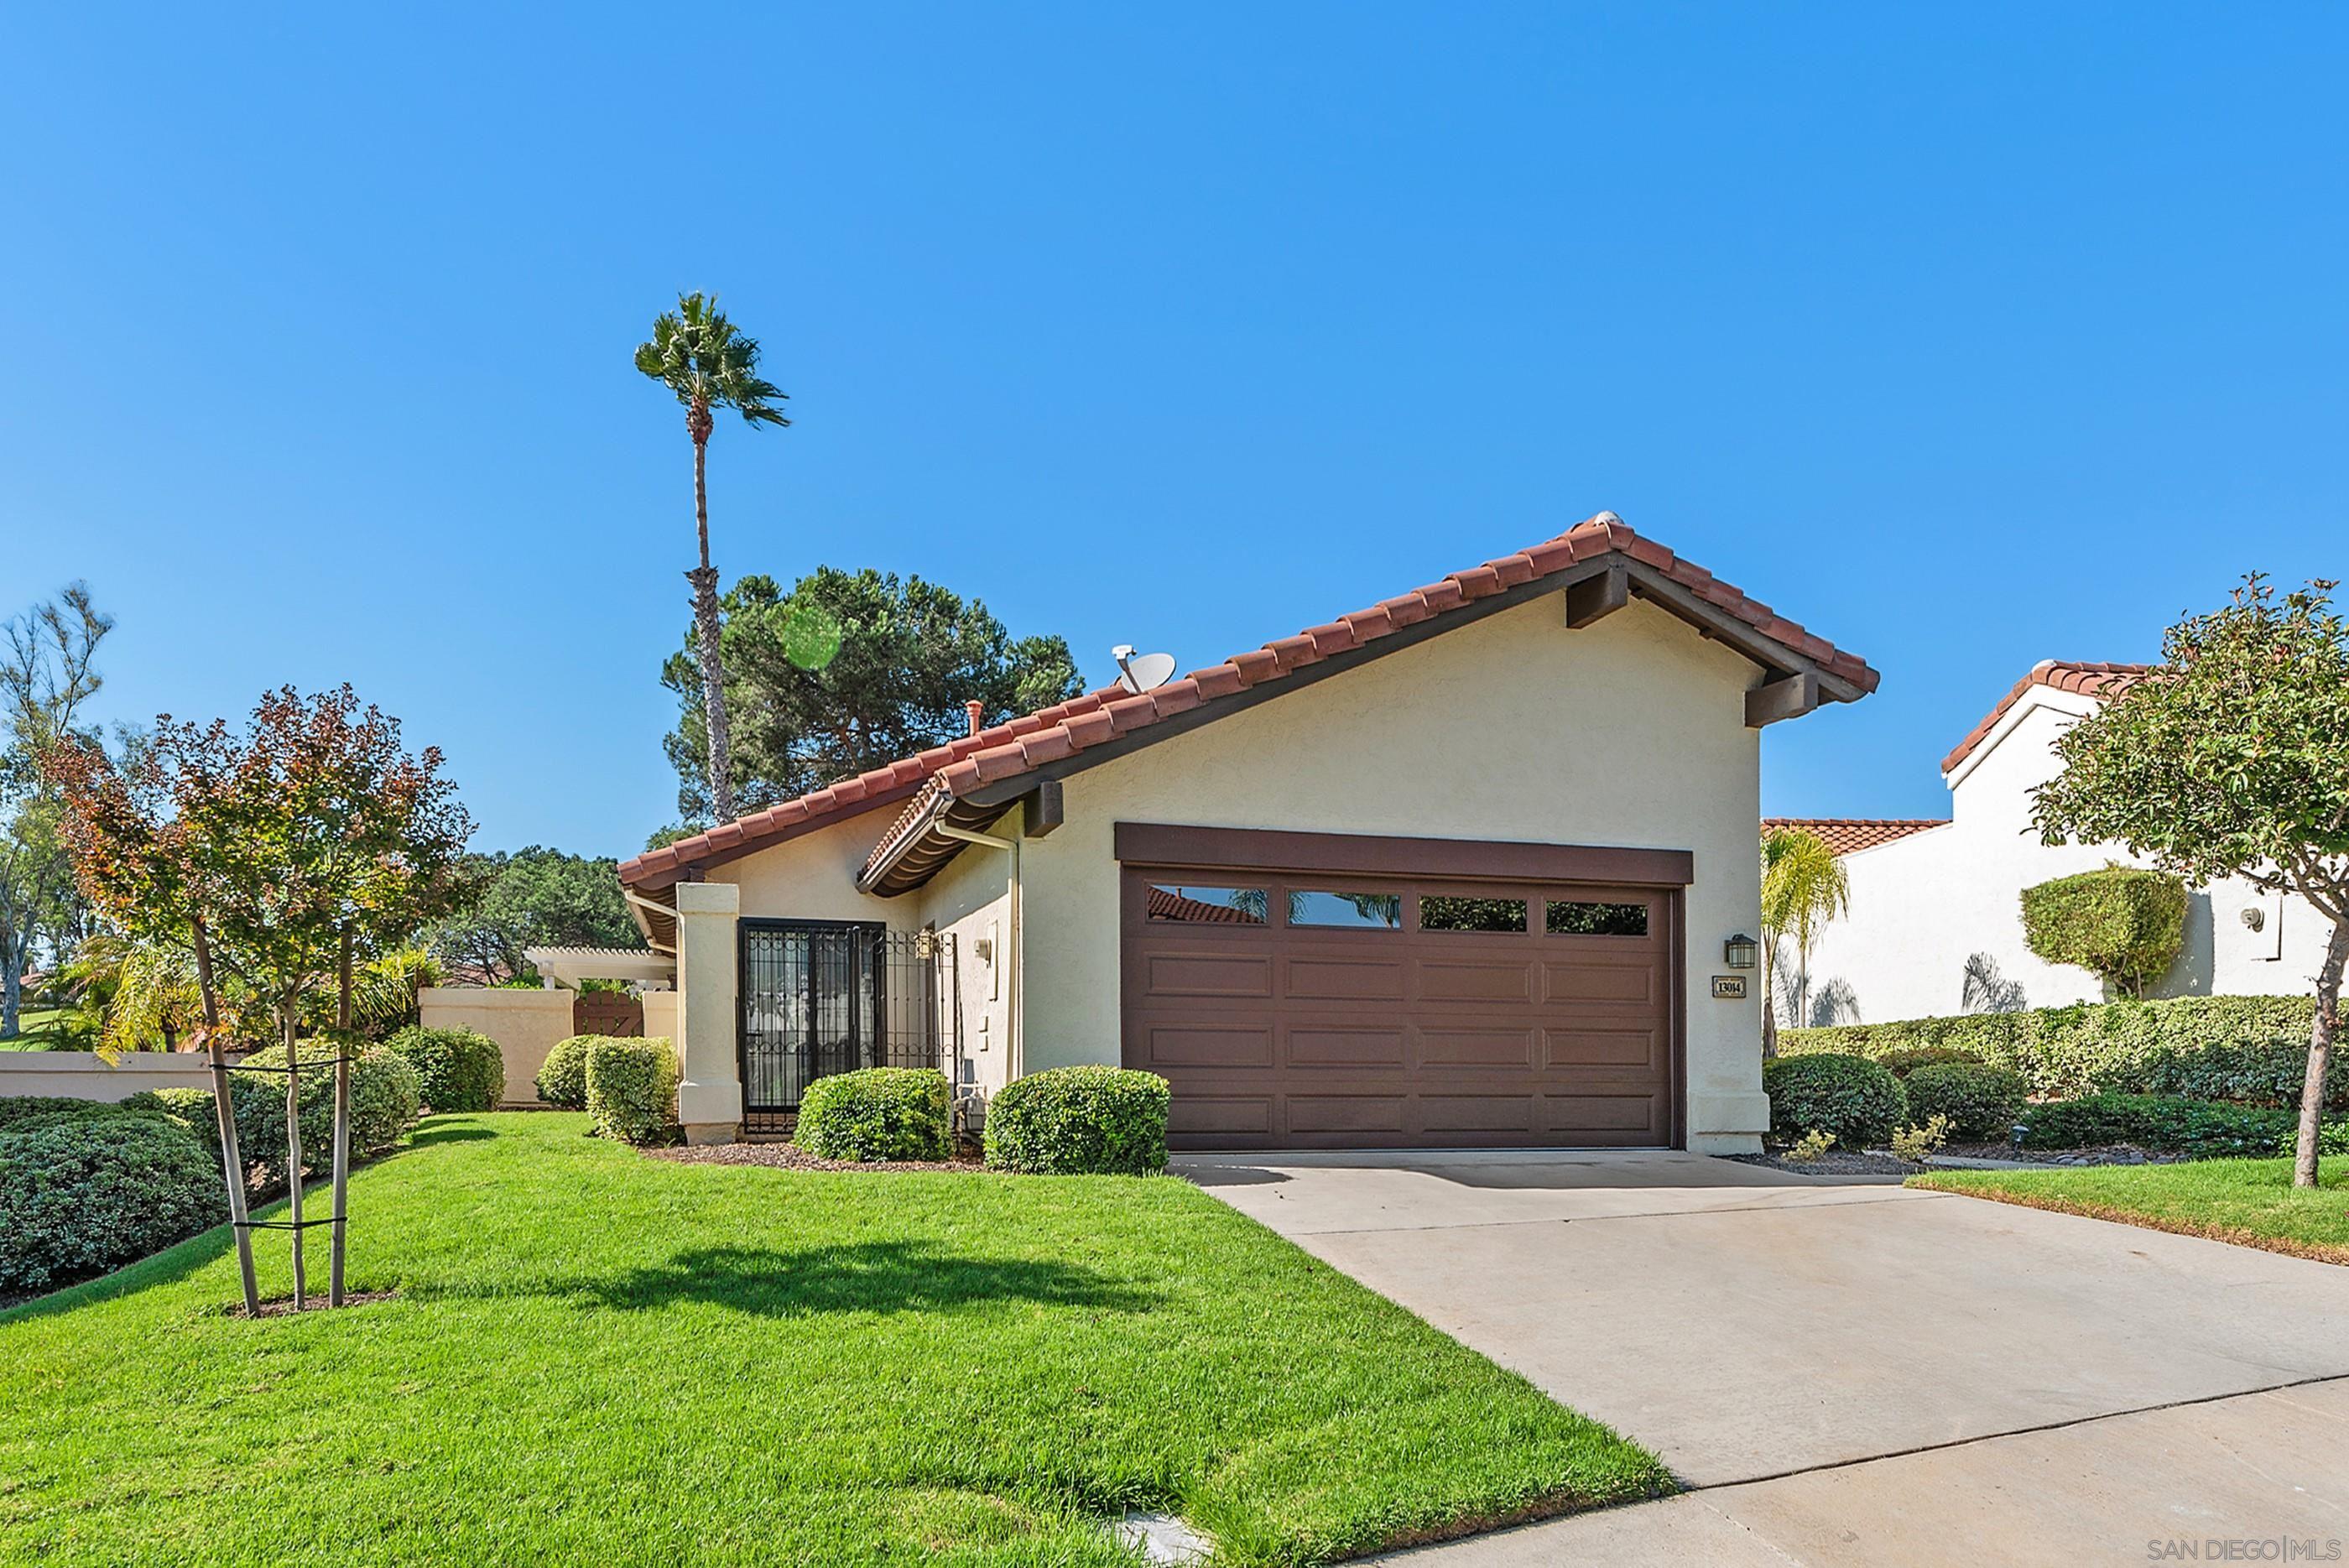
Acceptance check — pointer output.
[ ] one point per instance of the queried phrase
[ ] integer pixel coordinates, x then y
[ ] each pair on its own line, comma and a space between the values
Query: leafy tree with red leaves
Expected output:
271, 855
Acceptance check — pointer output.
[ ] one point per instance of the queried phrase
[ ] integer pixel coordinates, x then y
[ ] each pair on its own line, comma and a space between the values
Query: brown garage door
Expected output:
1301, 1010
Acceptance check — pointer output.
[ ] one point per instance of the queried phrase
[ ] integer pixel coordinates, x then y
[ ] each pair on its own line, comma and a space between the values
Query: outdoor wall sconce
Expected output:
1739, 951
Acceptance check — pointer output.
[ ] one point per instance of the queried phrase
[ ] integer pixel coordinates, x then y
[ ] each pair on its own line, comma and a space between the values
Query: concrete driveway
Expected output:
1853, 1373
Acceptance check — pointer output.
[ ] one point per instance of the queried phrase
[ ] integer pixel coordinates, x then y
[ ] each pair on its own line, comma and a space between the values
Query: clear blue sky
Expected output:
1966, 336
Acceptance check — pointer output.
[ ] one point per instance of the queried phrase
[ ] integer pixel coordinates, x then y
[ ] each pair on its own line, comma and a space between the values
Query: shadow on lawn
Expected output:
427, 1136
870, 1276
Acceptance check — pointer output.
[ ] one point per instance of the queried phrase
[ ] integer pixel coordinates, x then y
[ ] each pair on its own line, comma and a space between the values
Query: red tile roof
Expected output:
1846, 834
2092, 679
1008, 750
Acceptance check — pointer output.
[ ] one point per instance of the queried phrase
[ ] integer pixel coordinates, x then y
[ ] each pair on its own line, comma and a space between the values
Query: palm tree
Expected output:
1803, 887
699, 355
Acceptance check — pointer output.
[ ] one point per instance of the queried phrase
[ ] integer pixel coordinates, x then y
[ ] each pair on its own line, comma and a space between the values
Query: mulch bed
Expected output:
1835, 1162
791, 1156
1852, 1162
2100, 1154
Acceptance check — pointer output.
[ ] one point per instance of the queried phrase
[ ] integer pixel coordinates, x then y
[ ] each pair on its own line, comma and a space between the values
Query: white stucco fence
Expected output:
86, 1075
526, 1024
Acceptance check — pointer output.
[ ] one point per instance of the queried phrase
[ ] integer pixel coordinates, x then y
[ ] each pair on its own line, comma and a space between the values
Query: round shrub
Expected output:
1079, 1121
563, 1076
878, 1112
632, 1089
1851, 1099
386, 1096
1980, 1101
82, 1198
460, 1069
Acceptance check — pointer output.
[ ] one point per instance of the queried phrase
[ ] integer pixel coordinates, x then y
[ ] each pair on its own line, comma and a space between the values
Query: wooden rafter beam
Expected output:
1789, 697
1592, 597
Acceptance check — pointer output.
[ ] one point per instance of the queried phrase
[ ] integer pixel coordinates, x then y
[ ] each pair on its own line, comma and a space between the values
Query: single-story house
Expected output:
1935, 924
1460, 870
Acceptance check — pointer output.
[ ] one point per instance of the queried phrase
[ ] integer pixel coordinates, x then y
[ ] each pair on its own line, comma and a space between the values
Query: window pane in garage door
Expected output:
1187, 905
1447, 914
1578, 919
1367, 912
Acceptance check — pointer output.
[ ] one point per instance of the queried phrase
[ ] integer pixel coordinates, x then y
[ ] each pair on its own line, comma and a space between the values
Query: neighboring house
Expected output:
1936, 919
1457, 869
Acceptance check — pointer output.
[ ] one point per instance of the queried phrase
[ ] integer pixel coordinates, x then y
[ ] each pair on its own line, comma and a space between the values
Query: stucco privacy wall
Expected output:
1629, 732
660, 1014
524, 1023
86, 1075
1924, 905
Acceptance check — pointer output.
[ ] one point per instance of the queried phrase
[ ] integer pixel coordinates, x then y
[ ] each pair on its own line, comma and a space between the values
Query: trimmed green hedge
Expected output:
2332, 1139
1079, 1121
458, 1069
563, 1076
878, 1112
1980, 1101
1852, 1100
28, 1113
2249, 1048
2125, 926
2172, 1124
81, 1197
1902, 1063
386, 1098
632, 1089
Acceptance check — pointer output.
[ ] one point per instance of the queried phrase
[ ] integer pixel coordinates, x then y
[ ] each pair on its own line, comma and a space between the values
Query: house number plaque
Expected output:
1729, 987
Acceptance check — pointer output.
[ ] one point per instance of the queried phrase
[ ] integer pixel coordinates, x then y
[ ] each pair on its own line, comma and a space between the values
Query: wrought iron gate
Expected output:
828, 996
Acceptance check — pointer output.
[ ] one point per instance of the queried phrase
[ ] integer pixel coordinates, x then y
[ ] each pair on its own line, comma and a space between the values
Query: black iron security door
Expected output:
820, 997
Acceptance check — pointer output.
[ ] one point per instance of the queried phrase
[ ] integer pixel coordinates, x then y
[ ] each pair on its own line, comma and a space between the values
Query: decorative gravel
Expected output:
791, 1156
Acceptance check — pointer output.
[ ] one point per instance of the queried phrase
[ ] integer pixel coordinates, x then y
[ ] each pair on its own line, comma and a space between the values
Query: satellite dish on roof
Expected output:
1140, 673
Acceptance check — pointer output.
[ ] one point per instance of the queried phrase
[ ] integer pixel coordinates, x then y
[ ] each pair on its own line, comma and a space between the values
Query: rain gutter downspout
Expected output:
1019, 1052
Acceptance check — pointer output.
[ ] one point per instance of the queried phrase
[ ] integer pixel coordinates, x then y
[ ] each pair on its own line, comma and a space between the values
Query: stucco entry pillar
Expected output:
709, 1085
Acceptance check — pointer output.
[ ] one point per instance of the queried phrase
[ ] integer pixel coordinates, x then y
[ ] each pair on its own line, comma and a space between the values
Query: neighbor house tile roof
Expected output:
2091, 680
1035, 740
1846, 834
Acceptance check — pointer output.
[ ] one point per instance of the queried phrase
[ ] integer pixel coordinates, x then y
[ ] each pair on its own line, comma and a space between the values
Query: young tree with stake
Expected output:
274, 856
2231, 759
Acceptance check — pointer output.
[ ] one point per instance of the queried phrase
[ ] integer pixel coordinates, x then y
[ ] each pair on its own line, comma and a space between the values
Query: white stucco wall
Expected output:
1922, 906
969, 900
525, 1024
1630, 731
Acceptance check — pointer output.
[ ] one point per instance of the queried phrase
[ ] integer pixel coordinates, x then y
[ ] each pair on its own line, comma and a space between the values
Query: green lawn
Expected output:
600, 1358
2249, 1202
56, 1029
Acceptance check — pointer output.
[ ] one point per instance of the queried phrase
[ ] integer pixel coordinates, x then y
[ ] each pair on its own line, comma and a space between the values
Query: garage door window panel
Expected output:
1343, 909
1471, 915
1190, 904
1578, 918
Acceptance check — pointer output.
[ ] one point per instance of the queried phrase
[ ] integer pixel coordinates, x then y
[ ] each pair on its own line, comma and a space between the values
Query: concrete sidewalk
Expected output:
1852, 1368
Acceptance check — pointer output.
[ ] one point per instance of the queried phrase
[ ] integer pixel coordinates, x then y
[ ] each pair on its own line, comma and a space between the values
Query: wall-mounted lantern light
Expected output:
1739, 951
